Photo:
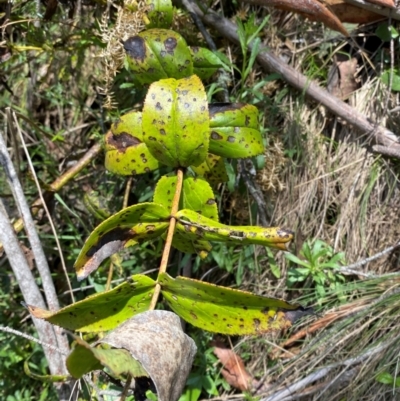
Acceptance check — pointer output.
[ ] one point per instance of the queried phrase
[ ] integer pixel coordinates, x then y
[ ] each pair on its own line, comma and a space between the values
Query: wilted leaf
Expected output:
157, 54
233, 370
104, 311
156, 340
195, 226
139, 222
84, 358
176, 122
225, 310
234, 130
126, 153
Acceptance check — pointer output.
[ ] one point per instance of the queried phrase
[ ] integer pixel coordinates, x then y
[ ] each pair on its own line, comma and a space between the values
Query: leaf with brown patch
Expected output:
126, 153
139, 222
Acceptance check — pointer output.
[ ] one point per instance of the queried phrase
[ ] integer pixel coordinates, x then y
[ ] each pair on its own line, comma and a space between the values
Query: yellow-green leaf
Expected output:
212, 169
194, 225
126, 153
225, 310
104, 311
176, 122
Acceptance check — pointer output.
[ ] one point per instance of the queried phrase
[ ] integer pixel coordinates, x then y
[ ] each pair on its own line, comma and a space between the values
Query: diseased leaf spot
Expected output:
162, 131
194, 316
231, 139
216, 136
122, 141
158, 106
256, 323
170, 45
135, 48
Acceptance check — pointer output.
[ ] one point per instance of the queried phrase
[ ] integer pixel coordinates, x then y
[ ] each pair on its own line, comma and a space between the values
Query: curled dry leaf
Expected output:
234, 371
155, 339
342, 76
311, 9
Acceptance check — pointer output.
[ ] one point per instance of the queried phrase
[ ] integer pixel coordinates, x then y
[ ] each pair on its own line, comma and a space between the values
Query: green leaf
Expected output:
157, 54
139, 222
104, 311
385, 378
194, 225
197, 195
385, 32
126, 153
386, 78
275, 270
84, 359
205, 62
225, 310
160, 14
212, 169
298, 261
234, 130
176, 122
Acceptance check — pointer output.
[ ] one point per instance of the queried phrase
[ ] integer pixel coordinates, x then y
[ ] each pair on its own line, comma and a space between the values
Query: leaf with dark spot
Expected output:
103, 311
212, 169
205, 62
139, 222
225, 310
157, 54
178, 125
193, 225
234, 130
126, 153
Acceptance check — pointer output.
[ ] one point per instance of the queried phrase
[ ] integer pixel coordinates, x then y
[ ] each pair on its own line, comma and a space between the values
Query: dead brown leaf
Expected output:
342, 76
311, 9
355, 15
234, 371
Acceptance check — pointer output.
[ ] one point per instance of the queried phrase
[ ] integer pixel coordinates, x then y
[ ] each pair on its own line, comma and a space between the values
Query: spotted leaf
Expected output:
194, 225
126, 153
212, 169
103, 311
160, 13
139, 222
119, 362
175, 121
205, 62
157, 54
234, 130
225, 310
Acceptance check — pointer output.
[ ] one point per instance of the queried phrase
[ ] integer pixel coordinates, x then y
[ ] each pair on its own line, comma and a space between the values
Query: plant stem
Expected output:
170, 235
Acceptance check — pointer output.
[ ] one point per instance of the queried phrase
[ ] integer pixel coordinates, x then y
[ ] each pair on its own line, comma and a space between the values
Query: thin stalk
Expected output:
170, 235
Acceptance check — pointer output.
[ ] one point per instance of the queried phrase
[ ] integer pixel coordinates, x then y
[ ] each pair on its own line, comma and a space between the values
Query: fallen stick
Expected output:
91, 154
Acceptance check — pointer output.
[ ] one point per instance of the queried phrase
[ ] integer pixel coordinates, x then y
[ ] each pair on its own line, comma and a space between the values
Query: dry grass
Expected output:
335, 189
